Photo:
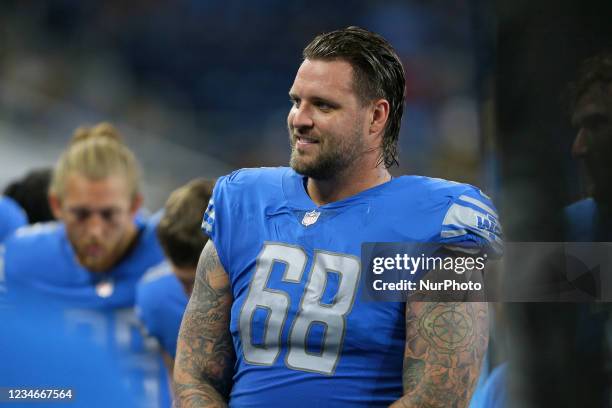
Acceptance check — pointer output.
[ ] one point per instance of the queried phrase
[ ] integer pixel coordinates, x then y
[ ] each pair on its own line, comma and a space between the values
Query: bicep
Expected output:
204, 349
210, 272
208, 310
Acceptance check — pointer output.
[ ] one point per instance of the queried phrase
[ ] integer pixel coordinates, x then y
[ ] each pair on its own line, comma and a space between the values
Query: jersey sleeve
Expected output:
216, 220
146, 311
150, 302
471, 225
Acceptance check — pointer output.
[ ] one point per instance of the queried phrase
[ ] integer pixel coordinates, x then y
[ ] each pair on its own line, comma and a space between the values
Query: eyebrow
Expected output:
329, 102
85, 207
325, 100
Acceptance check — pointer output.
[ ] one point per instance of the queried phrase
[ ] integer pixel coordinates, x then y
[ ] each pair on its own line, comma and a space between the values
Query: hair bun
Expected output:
103, 130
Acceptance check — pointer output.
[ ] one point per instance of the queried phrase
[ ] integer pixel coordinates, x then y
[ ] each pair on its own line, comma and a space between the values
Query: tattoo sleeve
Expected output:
445, 345
205, 354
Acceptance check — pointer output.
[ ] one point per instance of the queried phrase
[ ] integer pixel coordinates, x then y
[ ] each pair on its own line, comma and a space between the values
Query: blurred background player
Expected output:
91, 260
38, 352
590, 219
31, 193
163, 293
24, 201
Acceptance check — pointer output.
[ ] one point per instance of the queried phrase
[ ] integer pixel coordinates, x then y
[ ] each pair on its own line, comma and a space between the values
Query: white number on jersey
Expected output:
312, 311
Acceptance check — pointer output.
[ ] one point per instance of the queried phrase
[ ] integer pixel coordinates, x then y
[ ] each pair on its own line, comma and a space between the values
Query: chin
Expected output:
93, 265
303, 170
297, 164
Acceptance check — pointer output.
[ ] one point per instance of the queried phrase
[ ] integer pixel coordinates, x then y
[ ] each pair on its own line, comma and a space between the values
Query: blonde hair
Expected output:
96, 153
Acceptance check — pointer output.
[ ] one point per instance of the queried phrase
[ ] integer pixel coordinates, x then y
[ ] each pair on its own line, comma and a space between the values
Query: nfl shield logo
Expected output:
105, 288
310, 218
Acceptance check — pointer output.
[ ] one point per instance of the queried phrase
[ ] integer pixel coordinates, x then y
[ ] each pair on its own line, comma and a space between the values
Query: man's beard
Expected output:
332, 160
100, 263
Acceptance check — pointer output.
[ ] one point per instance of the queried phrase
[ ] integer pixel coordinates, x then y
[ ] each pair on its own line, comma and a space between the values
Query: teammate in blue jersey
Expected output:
11, 217
163, 293
88, 264
39, 352
494, 393
160, 302
277, 315
591, 219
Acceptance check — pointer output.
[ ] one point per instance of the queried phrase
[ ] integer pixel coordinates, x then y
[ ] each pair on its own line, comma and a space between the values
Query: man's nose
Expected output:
301, 118
95, 225
580, 145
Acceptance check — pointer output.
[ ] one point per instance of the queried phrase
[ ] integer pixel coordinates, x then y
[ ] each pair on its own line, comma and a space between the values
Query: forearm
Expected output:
202, 372
439, 389
201, 377
445, 345
198, 395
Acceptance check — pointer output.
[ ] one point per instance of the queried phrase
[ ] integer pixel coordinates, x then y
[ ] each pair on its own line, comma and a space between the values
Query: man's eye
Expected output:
295, 102
81, 214
109, 214
323, 106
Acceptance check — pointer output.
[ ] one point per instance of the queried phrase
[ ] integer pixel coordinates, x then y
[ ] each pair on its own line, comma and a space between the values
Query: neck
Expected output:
346, 184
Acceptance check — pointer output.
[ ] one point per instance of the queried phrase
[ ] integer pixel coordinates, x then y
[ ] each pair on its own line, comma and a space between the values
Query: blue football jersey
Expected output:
302, 334
160, 304
39, 351
494, 392
12, 217
39, 261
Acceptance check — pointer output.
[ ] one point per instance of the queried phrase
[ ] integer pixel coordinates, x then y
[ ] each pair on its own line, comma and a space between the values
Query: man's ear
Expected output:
136, 204
56, 206
379, 116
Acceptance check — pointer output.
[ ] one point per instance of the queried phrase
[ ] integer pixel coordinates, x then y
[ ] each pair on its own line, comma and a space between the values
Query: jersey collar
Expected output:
295, 193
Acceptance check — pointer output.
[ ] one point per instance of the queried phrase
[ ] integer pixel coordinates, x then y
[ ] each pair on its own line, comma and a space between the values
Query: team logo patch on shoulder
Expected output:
310, 218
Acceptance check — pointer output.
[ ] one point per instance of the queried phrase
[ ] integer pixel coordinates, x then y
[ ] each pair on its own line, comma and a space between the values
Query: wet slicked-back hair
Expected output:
594, 70
96, 153
378, 73
179, 230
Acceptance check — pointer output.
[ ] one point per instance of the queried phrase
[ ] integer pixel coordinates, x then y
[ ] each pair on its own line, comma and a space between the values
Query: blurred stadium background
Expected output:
200, 87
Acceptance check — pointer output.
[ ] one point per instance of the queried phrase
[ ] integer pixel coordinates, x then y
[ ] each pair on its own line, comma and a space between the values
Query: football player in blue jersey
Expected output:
591, 219
163, 293
494, 392
12, 217
277, 315
90, 262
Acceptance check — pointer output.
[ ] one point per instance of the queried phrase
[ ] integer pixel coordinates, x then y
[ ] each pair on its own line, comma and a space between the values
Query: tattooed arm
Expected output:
205, 353
445, 345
